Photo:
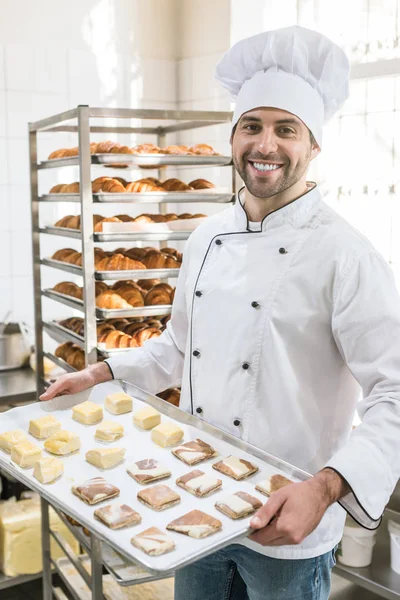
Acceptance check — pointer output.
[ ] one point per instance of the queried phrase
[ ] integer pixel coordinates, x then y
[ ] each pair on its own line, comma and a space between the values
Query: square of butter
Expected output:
109, 431
118, 403
44, 427
105, 458
48, 469
147, 418
166, 434
88, 413
25, 454
10, 438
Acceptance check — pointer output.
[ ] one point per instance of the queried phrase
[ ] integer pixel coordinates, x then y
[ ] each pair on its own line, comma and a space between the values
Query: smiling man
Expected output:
282, 311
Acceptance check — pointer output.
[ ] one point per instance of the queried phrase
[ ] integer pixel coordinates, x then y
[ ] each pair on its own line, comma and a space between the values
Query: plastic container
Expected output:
394, 531
355, 549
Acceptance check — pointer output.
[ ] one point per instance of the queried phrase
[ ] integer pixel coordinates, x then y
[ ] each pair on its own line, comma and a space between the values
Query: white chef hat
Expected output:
293, 69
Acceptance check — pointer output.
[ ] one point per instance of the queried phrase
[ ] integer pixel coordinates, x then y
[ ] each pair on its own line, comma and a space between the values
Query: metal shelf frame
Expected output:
82, 120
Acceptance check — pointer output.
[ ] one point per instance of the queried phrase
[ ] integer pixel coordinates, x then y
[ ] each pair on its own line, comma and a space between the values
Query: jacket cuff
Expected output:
133, 366
369, 478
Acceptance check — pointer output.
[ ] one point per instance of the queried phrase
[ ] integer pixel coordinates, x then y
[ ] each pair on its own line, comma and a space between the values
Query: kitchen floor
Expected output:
341, 590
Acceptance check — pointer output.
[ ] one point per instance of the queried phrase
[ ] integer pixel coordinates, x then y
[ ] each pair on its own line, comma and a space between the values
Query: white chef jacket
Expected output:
276, 330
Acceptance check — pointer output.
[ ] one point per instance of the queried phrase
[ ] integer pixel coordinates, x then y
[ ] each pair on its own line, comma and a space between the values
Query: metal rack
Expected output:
81, 120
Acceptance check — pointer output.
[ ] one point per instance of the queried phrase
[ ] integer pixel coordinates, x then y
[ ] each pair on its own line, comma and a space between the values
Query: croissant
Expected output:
75, 324
56, 154
171, 217
171, 252
56, 189
118, 262
71, 152
69, 289
153, 180
99, 226
177, 150
77, 359
117, 339
172, 396
132, 296
135, 253
64, 222
143, 186
133, 328
61, 351
104, 327
201, 184
97, 183
153, 323
62, 254
125, 218
173, 295
154, 260
175, 185
203, 149
125, 283
145, 334
147, 284
198, 216
144, 219
74, 259
118, 322
72, 188
122, 150
100, 287
147, 149
70, 221
157, 296
113, 186
110, 299
105, 147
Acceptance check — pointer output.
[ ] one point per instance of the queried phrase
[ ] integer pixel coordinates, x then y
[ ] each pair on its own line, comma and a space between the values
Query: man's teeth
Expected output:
265, 167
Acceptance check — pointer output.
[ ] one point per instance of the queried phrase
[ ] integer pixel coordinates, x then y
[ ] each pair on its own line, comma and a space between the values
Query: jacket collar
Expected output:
296, 213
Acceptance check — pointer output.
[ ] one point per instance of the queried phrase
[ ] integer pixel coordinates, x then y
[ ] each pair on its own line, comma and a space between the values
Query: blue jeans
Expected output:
238, 573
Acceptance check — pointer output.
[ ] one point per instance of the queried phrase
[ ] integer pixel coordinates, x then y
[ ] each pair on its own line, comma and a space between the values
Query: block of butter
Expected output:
109, 431
118, 403
147, 418
10, 438
166, 434
62, 443
48, 469
44, 427
105, 458
88, 413
25, 454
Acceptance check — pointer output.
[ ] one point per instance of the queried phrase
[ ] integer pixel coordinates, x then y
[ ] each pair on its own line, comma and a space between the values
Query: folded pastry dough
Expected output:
109, 431
153, 541
95, 490
44, 427
166, 434
234, 467
195, 524
118, 403
238, 505
48, 469
194, 452
105, 458
88, 413
198, 483
148, 471
25, 454
147, 418
159, 497
62, 443
272, 484
10, 438
117, 516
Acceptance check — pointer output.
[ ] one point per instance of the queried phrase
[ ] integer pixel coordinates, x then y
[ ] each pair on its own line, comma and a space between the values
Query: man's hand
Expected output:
294, 511
77, 382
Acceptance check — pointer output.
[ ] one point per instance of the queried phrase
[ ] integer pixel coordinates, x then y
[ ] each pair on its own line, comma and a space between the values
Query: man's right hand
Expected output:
77, 382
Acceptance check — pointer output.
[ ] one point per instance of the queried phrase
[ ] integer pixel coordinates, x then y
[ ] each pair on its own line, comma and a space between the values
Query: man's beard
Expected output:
263, 188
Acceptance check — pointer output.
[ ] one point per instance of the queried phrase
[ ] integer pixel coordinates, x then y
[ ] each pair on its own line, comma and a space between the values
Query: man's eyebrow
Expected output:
290, 121
251, 119
286, 121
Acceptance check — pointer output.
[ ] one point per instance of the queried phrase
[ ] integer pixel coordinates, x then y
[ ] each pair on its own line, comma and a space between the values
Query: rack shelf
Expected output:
141, 160
145, 198
130, 237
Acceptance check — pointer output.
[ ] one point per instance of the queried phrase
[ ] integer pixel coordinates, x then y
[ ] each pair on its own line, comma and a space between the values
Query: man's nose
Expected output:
267, 142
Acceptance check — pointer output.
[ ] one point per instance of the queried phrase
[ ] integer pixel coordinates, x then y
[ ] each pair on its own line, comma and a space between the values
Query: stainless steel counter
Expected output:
17, 386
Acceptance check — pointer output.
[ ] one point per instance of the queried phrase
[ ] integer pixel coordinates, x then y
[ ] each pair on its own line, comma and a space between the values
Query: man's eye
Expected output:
252, 127
286, 130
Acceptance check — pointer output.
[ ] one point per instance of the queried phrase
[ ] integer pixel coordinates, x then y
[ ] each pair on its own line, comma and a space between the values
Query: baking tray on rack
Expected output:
161, 236
112, 275
146, 197
74, 303
60, 363
63, 266
139, 446
62, 334
141, 160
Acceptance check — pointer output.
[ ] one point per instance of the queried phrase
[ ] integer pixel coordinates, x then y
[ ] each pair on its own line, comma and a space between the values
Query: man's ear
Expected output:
315, 150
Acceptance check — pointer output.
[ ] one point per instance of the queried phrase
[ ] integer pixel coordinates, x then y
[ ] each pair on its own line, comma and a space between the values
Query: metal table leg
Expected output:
97, 568
47, 580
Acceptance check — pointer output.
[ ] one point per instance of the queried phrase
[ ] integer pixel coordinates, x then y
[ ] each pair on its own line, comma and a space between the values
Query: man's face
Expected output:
271, 151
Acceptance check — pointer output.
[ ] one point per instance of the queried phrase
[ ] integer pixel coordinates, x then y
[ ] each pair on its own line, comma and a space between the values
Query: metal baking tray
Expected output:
160, 310
60, 363
77, 470
138, 274
140, 160
63, 266
74, 303
145, 197
62, 334
160, 236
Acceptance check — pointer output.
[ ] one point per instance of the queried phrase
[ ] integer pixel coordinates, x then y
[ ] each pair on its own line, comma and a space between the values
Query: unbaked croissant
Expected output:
201, 184
175, 185
69, 289
111, 300
118, 262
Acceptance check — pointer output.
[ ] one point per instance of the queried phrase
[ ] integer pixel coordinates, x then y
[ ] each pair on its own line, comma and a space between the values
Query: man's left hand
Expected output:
294, 511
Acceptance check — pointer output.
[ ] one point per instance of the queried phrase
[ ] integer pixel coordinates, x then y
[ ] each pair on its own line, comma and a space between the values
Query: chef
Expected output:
282, 313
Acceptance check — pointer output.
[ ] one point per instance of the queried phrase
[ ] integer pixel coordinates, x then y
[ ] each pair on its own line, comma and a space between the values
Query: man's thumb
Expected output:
264, 515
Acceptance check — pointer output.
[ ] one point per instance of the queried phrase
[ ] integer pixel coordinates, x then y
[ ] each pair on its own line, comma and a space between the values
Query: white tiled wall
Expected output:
88, 52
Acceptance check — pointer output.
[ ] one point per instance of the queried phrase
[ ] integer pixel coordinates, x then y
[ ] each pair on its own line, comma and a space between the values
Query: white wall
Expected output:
54, 56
